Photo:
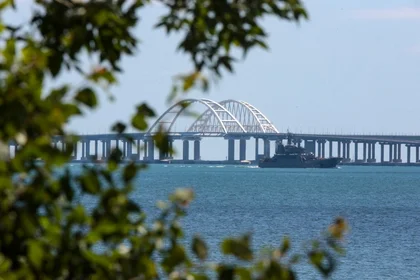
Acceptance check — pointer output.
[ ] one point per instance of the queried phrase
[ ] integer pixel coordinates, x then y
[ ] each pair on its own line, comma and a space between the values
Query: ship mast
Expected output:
289, 138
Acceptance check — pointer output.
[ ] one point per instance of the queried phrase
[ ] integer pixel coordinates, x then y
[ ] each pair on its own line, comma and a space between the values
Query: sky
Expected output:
353, 67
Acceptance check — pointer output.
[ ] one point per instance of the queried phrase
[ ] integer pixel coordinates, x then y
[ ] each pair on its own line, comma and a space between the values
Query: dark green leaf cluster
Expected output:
47, 231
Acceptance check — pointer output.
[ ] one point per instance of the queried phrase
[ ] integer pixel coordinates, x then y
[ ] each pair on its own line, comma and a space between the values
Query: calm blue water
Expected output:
381, 204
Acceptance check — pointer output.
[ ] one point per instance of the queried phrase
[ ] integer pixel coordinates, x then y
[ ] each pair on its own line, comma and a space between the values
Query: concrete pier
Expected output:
339, 149
185, 150
197, 155
382, 152
356, 151
242, 149
364, 152
266, 147
231, 150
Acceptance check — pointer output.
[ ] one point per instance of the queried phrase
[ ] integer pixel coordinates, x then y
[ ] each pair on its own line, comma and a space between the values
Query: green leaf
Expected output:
4, 264
5, 4
9, 52
102, 74
226, 272
188, 82
147, 267
162, 141
323, 261
114, 159
139, 119
130, 172
57, 95
78, 215
239, 248
285, 245
35, 253
100, 260
197, 276
119, 127
243, 273
199, 248
55, 61
174, 256
139, 122
87, 96
89, 182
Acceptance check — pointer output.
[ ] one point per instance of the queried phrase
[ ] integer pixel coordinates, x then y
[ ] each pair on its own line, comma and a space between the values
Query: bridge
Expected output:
239, 121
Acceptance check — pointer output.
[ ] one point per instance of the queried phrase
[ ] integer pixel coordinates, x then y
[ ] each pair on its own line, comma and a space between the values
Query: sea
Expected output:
380, 204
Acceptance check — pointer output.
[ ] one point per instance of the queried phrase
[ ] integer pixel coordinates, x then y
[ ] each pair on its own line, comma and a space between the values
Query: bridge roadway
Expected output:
347, 146
239, 121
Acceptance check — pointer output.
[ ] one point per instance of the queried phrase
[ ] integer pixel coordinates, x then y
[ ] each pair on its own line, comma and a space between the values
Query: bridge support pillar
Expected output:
408, 153
138, 149
390, 153
356, 151
108, 148
171, 147
348, 151
145, 149
364, 152
103, 150
96, 149
369, 152
397, 153
257, 158
344, 151
417, 154
83, 156
75, 150
124, 148
266, 148
323, 148
130, 150
197, 150
242, 149
185, 150
395, 148
382, 152
87, 149
330, 150
150, 149
319, 150
231, 150
373, 157
339, 149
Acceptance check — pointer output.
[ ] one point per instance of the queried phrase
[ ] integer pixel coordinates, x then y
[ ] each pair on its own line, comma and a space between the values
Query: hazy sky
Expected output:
353, 67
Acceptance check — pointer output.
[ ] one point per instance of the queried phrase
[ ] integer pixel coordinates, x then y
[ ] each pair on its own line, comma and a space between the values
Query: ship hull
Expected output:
315, 163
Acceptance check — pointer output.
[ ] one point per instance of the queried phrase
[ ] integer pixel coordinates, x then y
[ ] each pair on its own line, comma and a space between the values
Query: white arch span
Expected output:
249, 116
216, 119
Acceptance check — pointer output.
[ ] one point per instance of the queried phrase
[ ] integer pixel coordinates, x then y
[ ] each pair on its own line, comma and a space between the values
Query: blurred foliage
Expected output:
45, 230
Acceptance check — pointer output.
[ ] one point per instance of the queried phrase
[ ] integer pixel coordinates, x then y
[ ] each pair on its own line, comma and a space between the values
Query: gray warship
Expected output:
291, 156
